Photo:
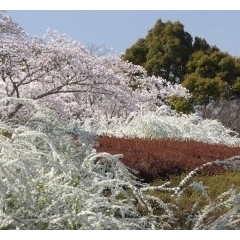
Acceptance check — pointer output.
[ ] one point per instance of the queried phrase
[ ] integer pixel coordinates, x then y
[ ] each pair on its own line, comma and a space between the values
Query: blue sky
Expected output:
118, 24
119, 29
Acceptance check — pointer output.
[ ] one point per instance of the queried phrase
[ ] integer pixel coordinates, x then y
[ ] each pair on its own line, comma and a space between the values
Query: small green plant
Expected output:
180, 104
5, 133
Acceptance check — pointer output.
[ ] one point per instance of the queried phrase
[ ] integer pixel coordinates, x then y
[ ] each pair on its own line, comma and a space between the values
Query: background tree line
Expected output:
209, 74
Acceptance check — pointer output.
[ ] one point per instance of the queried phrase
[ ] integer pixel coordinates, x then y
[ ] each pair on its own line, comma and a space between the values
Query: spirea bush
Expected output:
168, 124
52, 178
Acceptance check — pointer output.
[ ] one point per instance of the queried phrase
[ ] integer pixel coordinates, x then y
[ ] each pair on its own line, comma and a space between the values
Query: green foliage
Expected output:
180, 104
236, 88
164, 52
170, 52
200, 44
137, 53
204, 90
202, 65
5, 133
229, 68
213, 63
211, 75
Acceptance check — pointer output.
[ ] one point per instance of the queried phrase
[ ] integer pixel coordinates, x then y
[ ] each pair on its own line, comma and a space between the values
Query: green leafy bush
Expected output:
180, 104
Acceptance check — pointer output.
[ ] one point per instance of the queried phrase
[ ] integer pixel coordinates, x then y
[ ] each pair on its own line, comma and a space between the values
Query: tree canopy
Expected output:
164, 52
172, 53
60, 73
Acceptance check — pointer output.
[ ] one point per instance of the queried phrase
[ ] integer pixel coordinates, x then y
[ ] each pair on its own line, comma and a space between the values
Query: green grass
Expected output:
215, 185
186, 203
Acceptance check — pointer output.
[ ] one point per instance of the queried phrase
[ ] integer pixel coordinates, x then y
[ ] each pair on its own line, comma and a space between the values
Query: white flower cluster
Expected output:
167, 124
52, 178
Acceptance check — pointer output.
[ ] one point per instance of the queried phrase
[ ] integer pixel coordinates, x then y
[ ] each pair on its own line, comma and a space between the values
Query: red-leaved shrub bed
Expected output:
162, 158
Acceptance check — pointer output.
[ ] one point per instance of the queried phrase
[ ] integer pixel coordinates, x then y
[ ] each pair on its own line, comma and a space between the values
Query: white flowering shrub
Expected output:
228, 202
52, 178
208, 217
166, 123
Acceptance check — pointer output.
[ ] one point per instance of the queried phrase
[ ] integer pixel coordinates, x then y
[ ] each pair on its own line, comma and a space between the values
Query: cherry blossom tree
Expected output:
8, 27
58, 72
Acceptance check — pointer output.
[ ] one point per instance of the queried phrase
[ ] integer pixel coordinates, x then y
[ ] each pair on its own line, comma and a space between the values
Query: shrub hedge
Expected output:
162, 158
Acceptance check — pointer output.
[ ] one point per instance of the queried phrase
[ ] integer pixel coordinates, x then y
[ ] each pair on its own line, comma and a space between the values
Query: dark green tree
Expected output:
170, 52
200, 44
205, 90
202, 65
211, 64
137, 54
236, 88
164, 52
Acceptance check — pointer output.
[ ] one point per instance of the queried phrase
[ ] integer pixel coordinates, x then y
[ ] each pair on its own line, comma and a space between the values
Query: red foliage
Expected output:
162, 158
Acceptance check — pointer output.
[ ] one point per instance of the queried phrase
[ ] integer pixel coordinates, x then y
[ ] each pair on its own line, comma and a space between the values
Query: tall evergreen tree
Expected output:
170, 52
164, 52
